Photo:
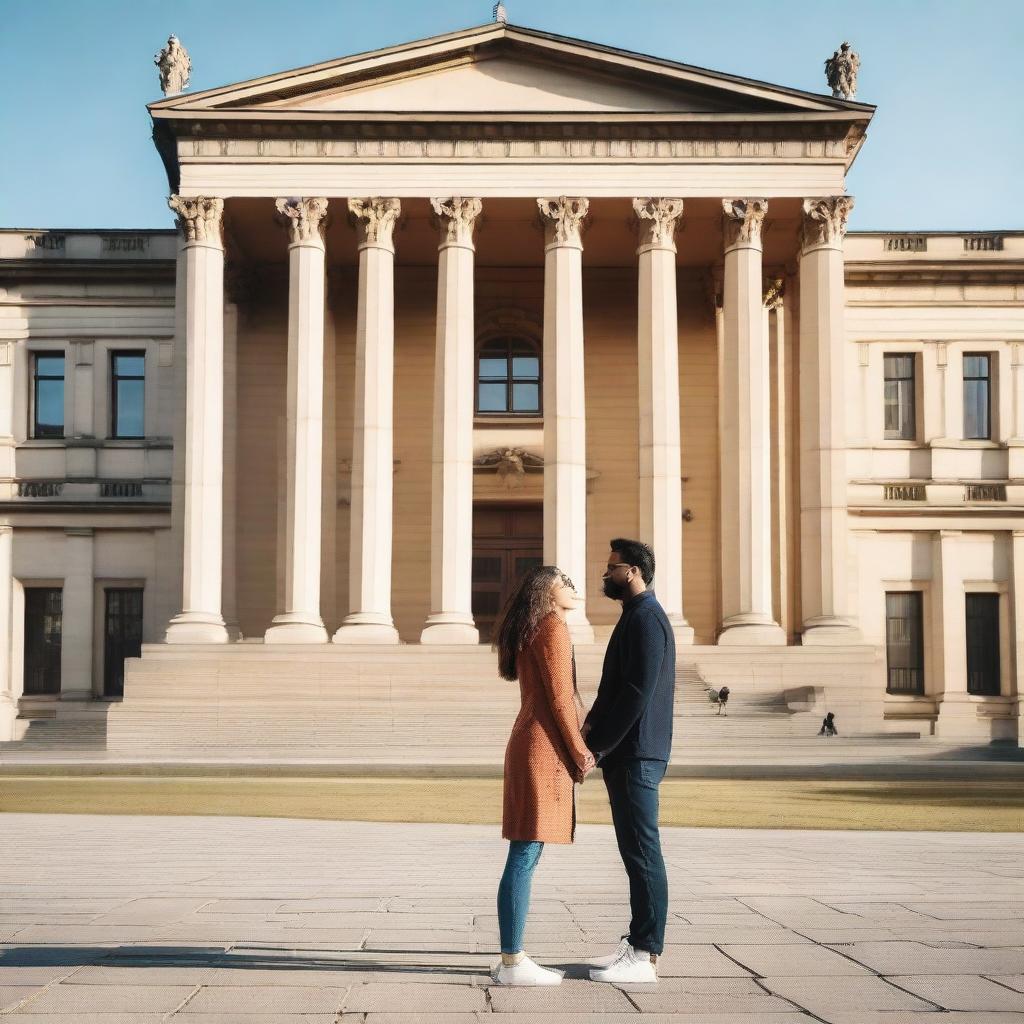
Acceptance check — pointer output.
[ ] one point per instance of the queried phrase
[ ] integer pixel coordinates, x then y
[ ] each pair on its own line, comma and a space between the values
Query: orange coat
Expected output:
545, 753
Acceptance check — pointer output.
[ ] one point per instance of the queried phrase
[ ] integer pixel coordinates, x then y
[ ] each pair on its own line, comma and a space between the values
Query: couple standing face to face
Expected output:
620, 581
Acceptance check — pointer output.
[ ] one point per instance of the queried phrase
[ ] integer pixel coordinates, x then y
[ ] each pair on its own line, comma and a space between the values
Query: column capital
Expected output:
773, 291
305, 219
563, 220
458, 220
742, 221
200, 219
824, 221
659, 219
377, 216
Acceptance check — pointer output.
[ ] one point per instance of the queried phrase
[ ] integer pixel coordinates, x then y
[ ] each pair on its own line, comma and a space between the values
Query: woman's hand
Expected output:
589, 764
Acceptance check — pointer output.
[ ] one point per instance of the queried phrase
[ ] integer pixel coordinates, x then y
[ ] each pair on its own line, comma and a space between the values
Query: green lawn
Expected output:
694, 803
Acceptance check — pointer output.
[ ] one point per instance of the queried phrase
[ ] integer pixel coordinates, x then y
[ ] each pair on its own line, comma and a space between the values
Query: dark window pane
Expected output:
129, 408
904, 642
122, 636
983, 644
50, 366
43, 627
131, 365
493, 398
526, 367
494, 368
976, 366
525, 397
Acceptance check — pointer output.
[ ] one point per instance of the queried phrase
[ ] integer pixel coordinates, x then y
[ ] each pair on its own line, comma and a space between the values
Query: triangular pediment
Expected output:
500, 69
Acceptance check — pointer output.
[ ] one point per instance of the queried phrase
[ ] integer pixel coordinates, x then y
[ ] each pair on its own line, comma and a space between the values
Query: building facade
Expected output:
441, 312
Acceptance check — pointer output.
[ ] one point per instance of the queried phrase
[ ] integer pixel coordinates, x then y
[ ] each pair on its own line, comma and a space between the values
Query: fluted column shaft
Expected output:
300, 620
823, 483
661, 492
451, 517
369, 619
744, 446
565, 425
200, 620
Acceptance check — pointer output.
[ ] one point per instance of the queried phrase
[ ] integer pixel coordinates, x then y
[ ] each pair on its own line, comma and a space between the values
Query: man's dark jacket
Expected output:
632, 715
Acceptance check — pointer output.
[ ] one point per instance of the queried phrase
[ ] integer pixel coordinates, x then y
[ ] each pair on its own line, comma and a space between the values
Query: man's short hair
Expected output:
635, 552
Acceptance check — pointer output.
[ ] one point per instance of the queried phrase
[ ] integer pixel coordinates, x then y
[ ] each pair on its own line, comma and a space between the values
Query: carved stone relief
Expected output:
824, 220
201, 219
377, 217
305, 219
563, 219
659, 220
742, 221
458, 219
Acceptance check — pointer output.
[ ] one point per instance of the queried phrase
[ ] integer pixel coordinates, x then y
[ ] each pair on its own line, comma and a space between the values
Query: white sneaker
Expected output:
607, 961
525, 973
633, 965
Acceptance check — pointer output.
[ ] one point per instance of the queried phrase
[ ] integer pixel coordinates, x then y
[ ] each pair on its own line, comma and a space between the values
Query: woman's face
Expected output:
563, 594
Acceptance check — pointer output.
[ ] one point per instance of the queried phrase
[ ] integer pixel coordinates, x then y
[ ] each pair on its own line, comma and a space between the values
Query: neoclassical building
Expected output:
440, 312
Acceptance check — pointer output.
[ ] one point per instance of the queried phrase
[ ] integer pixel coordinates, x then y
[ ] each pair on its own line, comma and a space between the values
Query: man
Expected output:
629, 729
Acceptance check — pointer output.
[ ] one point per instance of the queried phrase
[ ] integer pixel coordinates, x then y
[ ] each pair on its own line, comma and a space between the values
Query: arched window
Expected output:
508, 378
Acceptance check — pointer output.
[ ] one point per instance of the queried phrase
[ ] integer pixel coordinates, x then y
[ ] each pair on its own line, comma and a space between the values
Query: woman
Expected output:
545, 755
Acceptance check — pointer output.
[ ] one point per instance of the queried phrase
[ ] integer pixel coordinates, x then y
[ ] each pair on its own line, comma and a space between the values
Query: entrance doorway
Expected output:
507, 541
122, 635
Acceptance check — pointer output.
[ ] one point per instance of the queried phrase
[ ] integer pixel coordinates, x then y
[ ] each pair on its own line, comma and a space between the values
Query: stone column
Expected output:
300, 622
200, 620
1015, 444
958, 718
565, 438
1017, 621
744, 452
236, 282
661, 492
823, 515
451, 523
8, 702
78, 624
369, 619
775, 331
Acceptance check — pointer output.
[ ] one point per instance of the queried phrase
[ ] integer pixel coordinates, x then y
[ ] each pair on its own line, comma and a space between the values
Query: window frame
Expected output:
516, 345
36, 657
911, 391
989, 380
921, 690
35, 355
994, 684
115, 379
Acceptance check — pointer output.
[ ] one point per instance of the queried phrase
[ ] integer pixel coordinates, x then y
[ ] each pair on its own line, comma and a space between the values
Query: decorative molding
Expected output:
458, 218
563, 219
773, 292
120, 488
511, 464
983, 242
824, 221
742, 221
175, 67
40, 488
905, 243
200, 219
377, 217
6, 353
505, 320
659, 221
841, 72
305, 219
984, 492
903, 492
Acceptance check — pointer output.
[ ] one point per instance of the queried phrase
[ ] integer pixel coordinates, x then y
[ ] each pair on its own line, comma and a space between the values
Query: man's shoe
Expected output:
607, 961
632, 966
525, 973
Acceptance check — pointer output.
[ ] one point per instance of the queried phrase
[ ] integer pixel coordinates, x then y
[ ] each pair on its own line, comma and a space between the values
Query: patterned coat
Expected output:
545, 753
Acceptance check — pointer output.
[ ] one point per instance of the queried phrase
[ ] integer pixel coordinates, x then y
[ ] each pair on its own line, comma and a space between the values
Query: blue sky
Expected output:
945, 150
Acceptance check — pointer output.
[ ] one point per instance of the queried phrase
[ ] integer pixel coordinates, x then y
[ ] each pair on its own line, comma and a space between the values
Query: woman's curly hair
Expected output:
529, 603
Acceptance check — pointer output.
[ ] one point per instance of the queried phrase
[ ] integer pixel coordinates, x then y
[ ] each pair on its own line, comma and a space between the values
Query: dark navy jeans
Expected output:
633, 793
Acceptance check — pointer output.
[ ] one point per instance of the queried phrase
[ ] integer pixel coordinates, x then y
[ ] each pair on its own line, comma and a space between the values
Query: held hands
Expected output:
589, 764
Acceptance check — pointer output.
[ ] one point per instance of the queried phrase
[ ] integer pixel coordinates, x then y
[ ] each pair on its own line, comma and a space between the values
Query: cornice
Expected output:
935, 271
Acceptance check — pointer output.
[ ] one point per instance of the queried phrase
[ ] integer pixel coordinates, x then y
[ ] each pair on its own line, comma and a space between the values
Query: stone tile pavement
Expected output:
122, 920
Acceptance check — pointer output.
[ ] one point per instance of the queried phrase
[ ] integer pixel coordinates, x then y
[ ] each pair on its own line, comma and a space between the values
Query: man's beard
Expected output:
616, 591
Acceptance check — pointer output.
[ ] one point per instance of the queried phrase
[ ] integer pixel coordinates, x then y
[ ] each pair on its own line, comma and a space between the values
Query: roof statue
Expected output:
500, 13
175, 67
841, 72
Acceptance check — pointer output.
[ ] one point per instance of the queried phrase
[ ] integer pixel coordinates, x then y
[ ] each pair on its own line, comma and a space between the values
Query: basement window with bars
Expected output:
904, 642
983, 644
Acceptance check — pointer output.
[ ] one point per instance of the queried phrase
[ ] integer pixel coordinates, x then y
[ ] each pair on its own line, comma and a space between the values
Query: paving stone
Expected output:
916, 958
572, 996
962, 992
1014, 981
843, 994
252, 1018
86, 1018
914, 1017
805, 961
11, 995
264, 999
382, 996
150, 911
80, 999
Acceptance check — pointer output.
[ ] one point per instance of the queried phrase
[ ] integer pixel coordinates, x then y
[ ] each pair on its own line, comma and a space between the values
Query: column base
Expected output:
830, 631
681, 630
751, 631
362, 628
964, 720
196, 628
449, 628
292, 629
8, 717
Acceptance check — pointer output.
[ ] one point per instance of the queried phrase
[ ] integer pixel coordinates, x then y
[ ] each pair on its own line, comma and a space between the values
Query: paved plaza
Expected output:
111, 920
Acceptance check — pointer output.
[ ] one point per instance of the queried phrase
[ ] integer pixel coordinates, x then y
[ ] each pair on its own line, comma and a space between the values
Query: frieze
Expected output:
905, 243
984, 492
121, 489
903, 492
983, 243
125, 243
40, 488
49, 242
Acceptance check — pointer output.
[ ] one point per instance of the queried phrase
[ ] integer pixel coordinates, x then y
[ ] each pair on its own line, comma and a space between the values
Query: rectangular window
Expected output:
977, 396
48, 394
983, 644
900, 411
122, 635
43, 627
127, 394
904, 641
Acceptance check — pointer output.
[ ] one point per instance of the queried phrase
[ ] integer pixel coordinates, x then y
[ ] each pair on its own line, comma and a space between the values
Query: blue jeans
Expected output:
514, 892
633, 793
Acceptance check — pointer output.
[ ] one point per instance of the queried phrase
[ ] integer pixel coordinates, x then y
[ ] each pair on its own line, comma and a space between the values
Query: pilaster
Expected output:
8, 702
76, 658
